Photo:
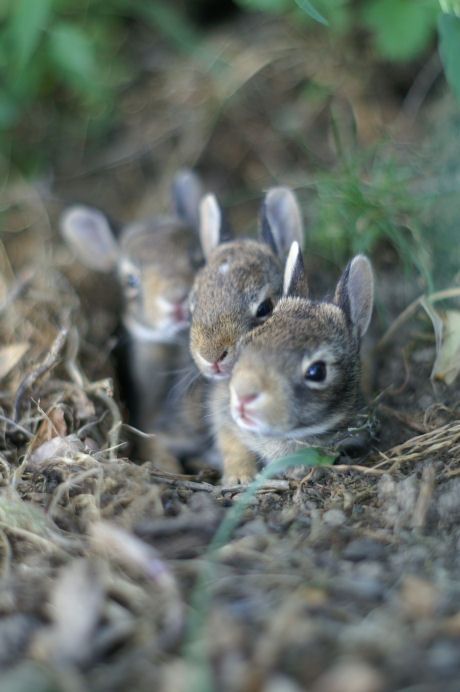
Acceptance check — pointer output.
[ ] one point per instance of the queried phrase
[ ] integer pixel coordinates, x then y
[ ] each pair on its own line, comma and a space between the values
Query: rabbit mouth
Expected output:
248, 422
166, 332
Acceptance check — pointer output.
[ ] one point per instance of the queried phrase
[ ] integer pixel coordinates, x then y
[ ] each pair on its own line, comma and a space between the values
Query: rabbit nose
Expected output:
247, 399
217, 364
180, 312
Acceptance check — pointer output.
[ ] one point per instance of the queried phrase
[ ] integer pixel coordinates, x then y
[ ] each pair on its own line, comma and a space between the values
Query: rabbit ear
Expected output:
281, 220
355, 293
88, 233
214, 228
187, 192
295, 282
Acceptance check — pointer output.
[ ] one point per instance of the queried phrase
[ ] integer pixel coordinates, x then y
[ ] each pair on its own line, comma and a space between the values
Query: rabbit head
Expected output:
298, 375
155, 260
241, 281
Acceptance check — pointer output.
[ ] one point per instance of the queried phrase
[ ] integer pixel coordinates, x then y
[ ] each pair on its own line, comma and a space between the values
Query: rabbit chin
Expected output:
166, 331
250, 423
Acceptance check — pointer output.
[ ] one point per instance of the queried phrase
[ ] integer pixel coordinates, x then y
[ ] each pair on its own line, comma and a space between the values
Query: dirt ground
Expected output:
343, 581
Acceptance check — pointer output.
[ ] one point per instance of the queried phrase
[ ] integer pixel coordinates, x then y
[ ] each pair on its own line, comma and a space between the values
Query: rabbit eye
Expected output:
316, 372
131, 284
265, 308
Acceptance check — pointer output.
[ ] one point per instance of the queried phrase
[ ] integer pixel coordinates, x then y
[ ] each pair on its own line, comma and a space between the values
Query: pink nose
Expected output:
180, 312
216, 366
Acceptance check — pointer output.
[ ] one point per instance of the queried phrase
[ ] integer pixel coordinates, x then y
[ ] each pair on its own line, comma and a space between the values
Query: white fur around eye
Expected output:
261, 296
130, 279
327, 357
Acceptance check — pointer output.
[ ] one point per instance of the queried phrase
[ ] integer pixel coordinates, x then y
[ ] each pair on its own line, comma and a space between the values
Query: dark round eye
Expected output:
132, 281
265, 308
316, 372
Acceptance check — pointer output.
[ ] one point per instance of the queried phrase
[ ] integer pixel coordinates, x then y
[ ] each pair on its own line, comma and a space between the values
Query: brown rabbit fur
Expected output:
296, 382
241, 281
155, 261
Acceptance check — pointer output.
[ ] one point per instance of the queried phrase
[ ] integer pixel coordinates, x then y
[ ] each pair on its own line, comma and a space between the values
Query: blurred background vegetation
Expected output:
69, 69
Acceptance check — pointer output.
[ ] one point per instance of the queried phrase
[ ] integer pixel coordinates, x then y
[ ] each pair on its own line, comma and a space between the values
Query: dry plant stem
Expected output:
183, 483
268, 486
73, 482
424, 498
73, 345
25, 535
19, 286
441, 440
411, 309
7, 555
367, 470
114, 432
48, 364
16, 426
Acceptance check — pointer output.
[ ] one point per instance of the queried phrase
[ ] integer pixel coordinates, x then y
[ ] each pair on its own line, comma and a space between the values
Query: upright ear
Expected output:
88, 233
295, 281
214, 228
355, 293
187, 192
281, 220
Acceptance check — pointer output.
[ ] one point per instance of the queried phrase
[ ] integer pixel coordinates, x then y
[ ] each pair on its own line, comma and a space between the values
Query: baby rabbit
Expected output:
241, 281
296, 382
155, 261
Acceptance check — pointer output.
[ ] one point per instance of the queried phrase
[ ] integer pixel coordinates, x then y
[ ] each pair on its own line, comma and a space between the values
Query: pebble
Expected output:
364, 549
334, 517
352, 676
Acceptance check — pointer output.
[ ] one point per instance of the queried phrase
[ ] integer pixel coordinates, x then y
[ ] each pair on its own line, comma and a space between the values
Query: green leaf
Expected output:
449, 48
308, 8
402, 28
276, 6
8, 110
72, 52
447, 364
28, 19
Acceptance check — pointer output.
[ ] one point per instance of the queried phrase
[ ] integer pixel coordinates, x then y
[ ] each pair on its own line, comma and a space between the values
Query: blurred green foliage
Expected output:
366, 200
62, 63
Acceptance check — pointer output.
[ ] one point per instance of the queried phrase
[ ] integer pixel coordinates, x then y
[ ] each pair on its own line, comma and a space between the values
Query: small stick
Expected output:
274, 485
424, 498
51, 360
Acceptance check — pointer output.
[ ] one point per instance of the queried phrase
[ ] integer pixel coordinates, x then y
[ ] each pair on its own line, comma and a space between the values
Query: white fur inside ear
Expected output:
210, 224
292, 265
187, 192
88, 233
284, 218
361, 292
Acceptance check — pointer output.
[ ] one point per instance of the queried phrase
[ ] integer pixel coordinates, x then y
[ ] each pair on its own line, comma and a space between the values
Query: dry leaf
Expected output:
10, 356
447, 364
58, 447
53, 425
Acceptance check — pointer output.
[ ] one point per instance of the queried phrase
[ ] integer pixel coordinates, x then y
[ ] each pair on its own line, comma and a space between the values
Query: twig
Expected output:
51, 360
19, 286
367, 470
170, 479
268, 486
424, 498
26, 535
16, 426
